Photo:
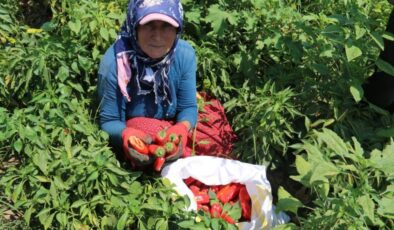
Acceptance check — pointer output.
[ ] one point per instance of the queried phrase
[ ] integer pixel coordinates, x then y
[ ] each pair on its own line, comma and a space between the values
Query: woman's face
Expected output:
156, 38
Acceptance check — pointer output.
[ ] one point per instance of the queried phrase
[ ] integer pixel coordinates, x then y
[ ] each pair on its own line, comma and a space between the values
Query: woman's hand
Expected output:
136, 158
181, 129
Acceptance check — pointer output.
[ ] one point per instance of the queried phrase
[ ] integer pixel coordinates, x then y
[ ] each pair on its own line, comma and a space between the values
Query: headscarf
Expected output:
149, 74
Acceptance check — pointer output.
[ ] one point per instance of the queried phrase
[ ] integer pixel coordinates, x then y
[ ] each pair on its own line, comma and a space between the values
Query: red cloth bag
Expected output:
212, 135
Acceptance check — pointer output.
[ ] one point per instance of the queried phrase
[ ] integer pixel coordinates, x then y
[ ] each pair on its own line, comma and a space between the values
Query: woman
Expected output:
147, 77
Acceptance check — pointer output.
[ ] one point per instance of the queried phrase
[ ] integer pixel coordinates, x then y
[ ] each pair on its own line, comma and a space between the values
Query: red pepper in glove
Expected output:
181, 130
128, 132
170, 148
156, 150
159, 162
136, 158
137, 144
174, 138
161, 137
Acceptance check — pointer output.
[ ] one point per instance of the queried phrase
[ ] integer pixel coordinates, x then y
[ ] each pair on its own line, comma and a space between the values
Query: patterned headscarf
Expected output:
149, 74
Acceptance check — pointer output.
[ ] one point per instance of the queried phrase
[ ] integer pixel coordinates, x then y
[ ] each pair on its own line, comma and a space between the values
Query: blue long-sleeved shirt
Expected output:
115, 110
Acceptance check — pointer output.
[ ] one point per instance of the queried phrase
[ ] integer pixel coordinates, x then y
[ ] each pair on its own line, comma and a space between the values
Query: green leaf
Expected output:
44, 218
357, 92
385, 66
44, 212
93, 25
116, 169
48, 221
17, 191
74, 66
122, 221
389, 36
95, 53
18, 145
215, 223
193, 225
62, 219
333, 141
358, 150
234, 211
377, 39
108, 222
386, 206
78, 203
286, 202
322, 188
104, 33
79, 127
161, 224
352, 52
75, 26
322, 171
57, 180
93, 176
390, 188
219, 18
63, 73
384, 160
27, 214
360, 32
41, 160
368, 206
303, 166
193, 16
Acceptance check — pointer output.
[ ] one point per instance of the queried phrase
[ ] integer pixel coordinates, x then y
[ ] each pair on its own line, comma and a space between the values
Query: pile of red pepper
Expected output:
222, 201
164, 146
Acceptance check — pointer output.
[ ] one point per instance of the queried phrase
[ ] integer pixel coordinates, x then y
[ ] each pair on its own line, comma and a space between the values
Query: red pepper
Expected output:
202, 197
174, 138
159, 162
170, 148
215, 188
189, 181
216, 210
194, 189
161, 137
137, 144
244, 199
228, 192
156, 150
227, 218
205, 208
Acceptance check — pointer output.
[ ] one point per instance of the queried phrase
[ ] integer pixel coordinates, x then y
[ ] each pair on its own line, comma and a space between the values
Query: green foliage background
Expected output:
288, 72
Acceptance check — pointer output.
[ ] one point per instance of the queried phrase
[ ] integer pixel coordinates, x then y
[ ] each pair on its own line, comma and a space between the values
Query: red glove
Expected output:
128, 132
179, 129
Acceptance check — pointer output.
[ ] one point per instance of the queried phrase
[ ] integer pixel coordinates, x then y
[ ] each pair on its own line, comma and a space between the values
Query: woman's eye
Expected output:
151, 26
